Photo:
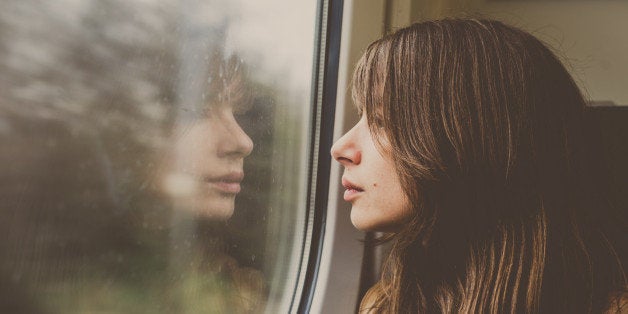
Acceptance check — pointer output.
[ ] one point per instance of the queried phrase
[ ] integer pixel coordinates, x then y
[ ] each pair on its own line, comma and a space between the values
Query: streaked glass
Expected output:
125, 129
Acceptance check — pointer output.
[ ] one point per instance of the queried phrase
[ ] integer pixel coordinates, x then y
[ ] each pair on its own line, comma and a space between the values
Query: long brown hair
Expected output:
485, 128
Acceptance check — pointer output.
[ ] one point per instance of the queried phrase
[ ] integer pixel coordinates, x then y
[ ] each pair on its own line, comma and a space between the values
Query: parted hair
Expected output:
485, 128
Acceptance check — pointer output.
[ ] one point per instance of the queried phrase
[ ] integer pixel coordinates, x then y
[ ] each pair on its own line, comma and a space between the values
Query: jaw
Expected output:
215, 206
375, 219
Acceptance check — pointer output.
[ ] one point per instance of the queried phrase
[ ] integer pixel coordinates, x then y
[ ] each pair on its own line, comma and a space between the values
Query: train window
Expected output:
156, 154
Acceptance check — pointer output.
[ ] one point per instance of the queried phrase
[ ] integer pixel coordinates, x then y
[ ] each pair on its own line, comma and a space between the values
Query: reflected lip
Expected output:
352, 190
228, 183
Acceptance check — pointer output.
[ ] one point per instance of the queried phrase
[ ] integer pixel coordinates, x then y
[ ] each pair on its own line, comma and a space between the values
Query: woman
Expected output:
205, 166
202, 176
470, 151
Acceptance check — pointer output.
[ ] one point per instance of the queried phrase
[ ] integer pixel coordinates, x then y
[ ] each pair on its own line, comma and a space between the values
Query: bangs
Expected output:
369, 78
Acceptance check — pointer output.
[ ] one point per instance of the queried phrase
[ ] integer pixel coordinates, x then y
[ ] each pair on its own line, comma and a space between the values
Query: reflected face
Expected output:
206, 164
370, 181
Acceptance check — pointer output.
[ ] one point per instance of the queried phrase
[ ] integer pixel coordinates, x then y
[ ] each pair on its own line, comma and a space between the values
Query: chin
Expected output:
213, 209
378, 224
217, 210
364, 223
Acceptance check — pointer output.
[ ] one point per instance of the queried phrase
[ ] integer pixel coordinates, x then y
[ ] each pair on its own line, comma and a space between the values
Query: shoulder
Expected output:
248, 287
618, 304
370, 301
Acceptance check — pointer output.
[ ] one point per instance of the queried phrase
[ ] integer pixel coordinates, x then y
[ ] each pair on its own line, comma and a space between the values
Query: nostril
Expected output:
338, 151
345, 161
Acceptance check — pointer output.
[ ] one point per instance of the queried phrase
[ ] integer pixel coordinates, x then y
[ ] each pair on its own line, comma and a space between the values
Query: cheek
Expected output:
215, 206
384, 207
205, 203
195, 145
385, 179
392, 197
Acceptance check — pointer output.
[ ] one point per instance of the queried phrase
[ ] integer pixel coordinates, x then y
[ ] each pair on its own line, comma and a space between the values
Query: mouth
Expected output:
226, 184
352, 191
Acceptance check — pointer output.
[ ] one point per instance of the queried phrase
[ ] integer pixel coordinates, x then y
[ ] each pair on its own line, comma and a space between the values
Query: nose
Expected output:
236, 143
346, 150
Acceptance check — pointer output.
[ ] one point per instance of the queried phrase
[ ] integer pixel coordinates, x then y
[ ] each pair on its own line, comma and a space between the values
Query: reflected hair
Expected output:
485, 128
227, 81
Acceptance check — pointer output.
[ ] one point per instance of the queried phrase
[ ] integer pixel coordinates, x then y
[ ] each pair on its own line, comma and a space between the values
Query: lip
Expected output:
352, 191
228, 183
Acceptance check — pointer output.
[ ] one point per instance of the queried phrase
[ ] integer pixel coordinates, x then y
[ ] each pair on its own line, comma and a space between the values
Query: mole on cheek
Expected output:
374, 184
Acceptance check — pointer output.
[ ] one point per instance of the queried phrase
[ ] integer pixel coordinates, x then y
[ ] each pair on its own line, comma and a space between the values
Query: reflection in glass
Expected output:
153, 154
204, 166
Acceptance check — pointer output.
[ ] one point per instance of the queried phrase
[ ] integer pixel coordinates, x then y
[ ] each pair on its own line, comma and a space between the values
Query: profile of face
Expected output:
206, 155
371, 183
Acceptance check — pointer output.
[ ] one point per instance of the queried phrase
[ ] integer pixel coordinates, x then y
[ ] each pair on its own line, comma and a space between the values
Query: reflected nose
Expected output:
236, 142
346, 151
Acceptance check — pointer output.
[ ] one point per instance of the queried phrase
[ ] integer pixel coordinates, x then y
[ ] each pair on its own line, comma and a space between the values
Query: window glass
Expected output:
153, 154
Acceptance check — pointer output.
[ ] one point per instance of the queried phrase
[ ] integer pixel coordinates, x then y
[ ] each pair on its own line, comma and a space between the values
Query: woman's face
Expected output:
371, 182
206, 163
